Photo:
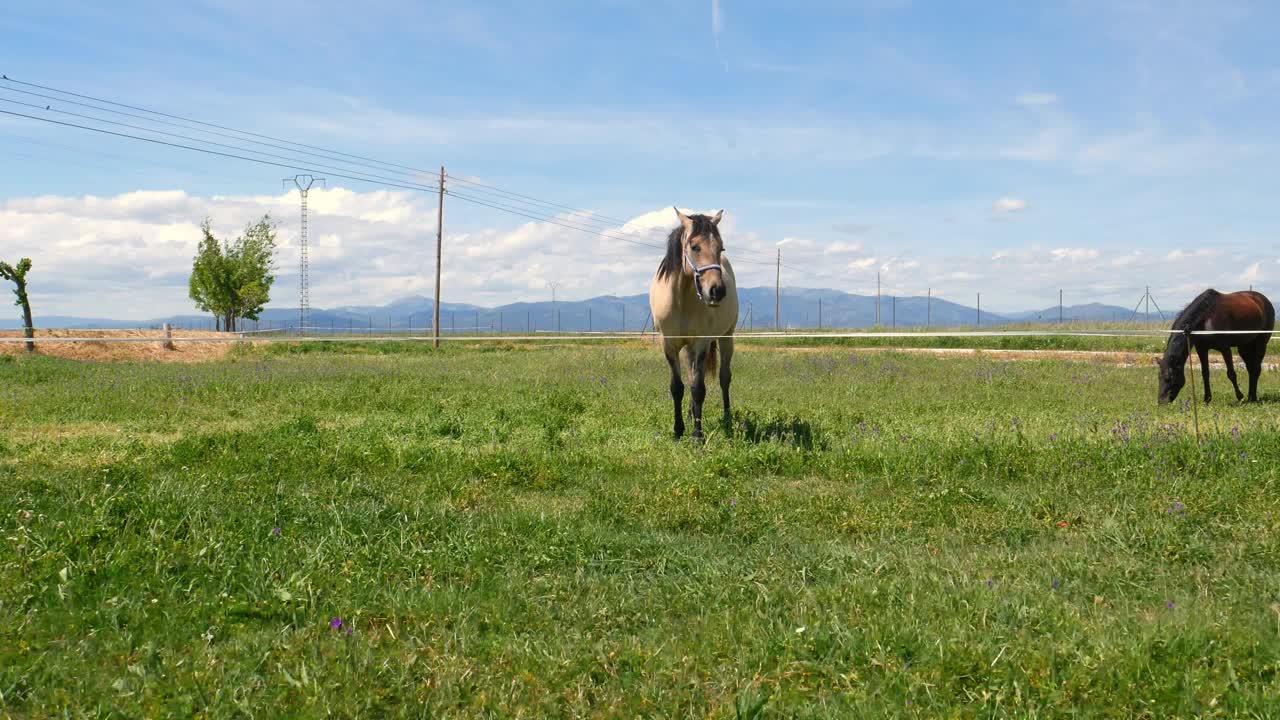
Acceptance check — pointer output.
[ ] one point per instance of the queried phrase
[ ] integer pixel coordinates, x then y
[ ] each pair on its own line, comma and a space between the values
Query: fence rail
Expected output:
241, 336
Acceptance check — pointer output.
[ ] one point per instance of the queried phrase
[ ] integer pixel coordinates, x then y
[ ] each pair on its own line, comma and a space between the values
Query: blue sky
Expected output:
1011, 148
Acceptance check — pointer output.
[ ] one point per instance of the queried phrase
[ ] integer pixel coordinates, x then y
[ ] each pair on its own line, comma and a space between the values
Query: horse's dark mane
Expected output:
702, 225
1193, 315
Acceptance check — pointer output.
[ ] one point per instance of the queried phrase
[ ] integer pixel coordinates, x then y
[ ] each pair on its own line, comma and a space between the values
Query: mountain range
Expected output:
800, 308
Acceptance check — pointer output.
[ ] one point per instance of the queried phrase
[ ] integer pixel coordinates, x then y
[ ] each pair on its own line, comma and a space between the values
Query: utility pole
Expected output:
553, 284
877, 298
1147, 305
435, 323
304, 183
777, 294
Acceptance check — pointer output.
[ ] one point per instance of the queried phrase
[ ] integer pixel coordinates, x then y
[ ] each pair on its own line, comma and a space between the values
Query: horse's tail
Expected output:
710, 368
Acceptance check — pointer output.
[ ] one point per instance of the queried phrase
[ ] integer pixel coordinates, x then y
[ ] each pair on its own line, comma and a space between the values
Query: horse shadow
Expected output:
787, 430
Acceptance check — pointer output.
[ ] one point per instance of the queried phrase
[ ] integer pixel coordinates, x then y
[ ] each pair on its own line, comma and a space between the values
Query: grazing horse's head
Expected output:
701, 247
1171, 381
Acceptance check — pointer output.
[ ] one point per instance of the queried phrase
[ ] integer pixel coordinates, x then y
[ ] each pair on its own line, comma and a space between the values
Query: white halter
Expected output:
697, 273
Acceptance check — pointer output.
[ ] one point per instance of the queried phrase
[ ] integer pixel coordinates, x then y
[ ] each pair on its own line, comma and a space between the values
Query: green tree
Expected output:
232, 280
18, 276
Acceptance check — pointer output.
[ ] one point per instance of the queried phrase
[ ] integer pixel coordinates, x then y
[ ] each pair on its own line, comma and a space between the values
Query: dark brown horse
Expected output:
1213, 310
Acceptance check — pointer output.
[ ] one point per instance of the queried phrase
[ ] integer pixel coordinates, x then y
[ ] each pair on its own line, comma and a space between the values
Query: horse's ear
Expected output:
685, 220
715, 219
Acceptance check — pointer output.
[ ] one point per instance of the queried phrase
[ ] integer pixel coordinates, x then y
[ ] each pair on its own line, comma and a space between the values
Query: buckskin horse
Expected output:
694, 300
1212, 310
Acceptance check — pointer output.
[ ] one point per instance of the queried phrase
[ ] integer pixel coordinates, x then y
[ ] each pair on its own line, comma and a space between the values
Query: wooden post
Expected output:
435, 325
1195, 407
168, 337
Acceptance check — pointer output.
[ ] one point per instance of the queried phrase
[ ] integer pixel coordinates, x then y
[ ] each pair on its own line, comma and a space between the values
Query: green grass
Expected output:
511, 533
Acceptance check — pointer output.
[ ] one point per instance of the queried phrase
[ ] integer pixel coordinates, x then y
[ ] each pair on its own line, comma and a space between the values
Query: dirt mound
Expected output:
90, 350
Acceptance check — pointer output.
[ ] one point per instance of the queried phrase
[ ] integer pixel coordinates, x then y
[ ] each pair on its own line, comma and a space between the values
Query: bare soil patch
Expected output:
91, 351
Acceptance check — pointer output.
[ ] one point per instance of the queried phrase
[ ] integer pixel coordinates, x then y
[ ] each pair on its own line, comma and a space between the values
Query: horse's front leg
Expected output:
1231, 372
698, 381
677, 390
726, 375
1203, 353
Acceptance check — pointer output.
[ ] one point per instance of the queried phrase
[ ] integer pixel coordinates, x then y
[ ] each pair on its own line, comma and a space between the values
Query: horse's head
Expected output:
1171, 381
701, 246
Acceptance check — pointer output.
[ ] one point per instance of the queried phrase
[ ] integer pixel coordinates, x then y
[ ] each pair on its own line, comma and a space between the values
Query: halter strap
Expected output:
697, 273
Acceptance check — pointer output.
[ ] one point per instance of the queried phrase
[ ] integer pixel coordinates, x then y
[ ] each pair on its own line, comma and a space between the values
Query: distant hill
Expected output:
1088, 311
800, 307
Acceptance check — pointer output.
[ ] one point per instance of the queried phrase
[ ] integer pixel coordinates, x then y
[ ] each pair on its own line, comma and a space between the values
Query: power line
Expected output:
181, 126
556, 221
214, 152
92, 118
212, 125
585, 217
588, 217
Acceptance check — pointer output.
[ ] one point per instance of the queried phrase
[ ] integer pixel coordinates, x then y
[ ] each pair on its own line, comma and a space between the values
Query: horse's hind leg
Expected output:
726, 374
1203, 353
1231, 372
1253, 365
677, 389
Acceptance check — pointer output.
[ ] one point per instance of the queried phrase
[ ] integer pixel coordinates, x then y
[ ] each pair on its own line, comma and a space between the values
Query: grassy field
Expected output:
387, 531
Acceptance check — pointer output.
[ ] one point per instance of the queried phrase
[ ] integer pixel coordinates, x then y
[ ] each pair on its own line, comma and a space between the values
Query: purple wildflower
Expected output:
1235, 432
335, 624
1055, 584
1168, 605
275, 531
988, 582
733, 502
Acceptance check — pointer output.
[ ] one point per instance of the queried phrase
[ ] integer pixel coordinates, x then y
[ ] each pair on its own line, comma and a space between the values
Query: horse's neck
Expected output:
1176, 352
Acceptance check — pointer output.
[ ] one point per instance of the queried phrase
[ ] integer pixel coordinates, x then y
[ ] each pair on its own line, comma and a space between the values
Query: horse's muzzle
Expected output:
716, 293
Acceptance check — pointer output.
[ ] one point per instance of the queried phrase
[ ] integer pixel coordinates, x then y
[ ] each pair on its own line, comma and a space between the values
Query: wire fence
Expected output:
249, 336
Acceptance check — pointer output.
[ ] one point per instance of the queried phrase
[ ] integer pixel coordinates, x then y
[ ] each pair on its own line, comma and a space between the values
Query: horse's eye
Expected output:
696, 248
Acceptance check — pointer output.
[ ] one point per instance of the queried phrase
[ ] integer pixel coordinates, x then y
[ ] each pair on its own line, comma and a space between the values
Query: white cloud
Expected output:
1252, 275
128, 256
1037, 99
1074, 254
1009, 205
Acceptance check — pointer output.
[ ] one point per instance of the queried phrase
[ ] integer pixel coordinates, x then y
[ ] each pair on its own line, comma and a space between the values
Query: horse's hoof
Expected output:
698, 437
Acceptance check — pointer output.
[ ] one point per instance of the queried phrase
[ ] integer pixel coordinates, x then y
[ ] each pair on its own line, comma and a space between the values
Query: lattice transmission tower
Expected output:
304, 183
